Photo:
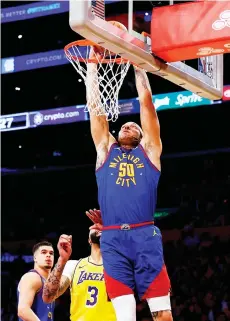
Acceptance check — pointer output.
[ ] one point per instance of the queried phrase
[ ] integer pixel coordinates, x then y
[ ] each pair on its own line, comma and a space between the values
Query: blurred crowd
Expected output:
199, 272
198, 189
198, 261
200, 277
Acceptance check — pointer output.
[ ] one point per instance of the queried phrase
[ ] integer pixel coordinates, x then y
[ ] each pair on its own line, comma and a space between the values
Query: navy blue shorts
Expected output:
133, 261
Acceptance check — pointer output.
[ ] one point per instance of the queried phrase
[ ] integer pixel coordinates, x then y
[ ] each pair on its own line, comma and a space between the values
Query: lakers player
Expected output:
89, 300
127, 173
30, 287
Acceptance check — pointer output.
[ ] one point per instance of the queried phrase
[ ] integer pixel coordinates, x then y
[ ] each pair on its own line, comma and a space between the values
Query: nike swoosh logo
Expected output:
80, 267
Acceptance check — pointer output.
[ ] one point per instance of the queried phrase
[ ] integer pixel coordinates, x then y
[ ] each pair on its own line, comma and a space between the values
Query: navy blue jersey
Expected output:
44, 311
127, 186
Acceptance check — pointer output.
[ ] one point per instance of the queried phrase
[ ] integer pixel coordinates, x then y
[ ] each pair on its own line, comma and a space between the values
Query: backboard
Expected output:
87, 18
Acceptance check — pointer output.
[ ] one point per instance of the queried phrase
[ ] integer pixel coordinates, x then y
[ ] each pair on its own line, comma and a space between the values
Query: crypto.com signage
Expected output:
34, 61
64, 115
73, 114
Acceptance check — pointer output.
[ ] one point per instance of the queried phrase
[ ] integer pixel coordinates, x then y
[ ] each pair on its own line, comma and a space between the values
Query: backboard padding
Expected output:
135, 48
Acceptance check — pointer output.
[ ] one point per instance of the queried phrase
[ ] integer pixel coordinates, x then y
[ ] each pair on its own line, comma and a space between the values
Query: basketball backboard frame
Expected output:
137, 48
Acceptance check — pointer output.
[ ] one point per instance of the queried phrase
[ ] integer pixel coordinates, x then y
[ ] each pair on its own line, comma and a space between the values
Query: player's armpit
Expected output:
153, 153
99, 131
149, 119
29, 285
103, 149
102, 152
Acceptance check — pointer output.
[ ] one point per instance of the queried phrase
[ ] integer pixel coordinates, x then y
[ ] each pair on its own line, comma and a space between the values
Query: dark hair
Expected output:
94, 238
42, 243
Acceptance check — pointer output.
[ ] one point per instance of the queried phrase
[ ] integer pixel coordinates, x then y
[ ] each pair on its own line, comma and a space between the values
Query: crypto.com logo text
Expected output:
39, 118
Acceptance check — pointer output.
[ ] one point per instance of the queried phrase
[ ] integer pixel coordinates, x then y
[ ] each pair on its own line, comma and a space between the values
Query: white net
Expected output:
111, 71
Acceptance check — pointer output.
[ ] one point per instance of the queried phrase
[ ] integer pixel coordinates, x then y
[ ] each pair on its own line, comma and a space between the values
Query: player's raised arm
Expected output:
29, 285
51, 292
99, 125
57, 284
149, 119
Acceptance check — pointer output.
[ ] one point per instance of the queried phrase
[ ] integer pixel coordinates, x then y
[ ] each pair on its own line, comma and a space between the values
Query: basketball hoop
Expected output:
111, 71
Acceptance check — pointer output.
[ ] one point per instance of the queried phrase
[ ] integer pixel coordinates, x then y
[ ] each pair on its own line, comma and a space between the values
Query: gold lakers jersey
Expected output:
89, 300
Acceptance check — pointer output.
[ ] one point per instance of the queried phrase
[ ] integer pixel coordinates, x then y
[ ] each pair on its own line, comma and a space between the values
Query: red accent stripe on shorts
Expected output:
116, 288
160, 286
126, 226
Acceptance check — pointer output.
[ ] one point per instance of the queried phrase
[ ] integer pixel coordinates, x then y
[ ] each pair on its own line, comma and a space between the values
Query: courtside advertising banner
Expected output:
34, 61
181, 99
71, 114
36, 10
33, 10
57, 116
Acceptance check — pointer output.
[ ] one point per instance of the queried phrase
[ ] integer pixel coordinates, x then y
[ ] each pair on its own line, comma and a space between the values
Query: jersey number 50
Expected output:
126, 170
93, 293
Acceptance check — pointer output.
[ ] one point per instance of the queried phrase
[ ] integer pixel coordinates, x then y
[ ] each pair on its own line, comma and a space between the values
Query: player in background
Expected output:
127, 172
30, 304
89, 299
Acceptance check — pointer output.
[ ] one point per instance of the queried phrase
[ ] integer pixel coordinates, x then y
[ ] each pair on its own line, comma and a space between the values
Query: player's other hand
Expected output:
94, 215
65, 247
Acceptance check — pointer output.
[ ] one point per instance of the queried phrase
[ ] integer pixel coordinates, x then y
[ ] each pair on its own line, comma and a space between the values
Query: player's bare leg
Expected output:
162, 316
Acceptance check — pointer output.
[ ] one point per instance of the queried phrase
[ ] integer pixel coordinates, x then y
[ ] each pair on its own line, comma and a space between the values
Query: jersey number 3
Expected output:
93, 294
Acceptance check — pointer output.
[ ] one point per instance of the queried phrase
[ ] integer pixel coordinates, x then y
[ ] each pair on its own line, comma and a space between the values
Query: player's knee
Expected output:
162, 316
125, 307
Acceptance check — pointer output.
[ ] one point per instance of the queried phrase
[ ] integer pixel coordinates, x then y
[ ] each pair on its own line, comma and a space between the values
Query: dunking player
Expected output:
30, 304
89, 300
127, 174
